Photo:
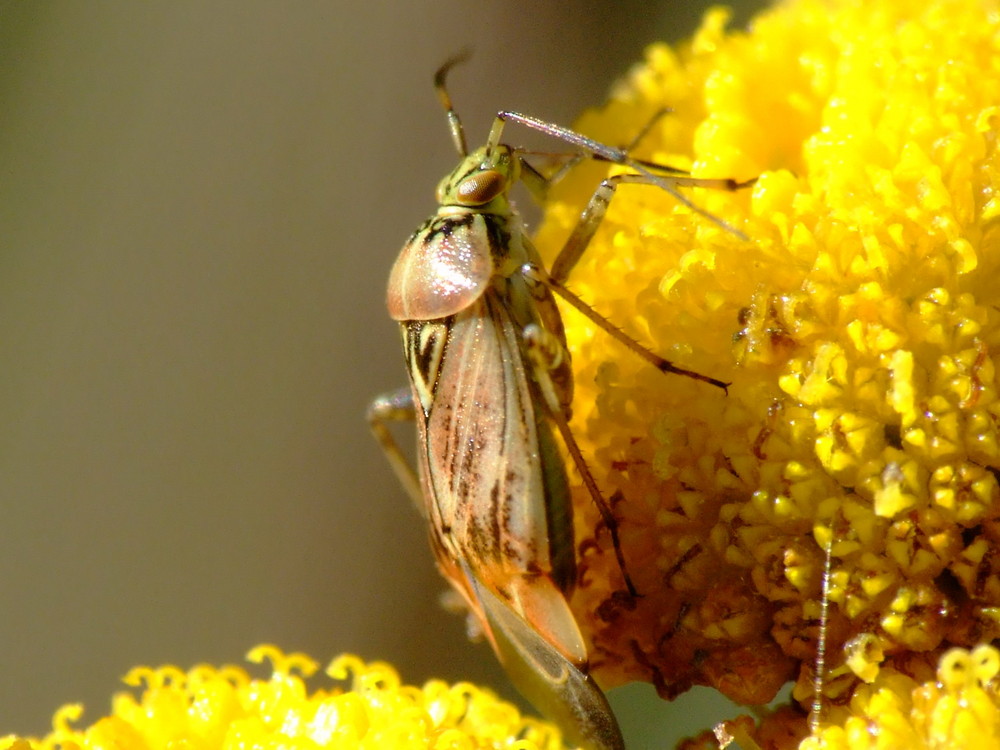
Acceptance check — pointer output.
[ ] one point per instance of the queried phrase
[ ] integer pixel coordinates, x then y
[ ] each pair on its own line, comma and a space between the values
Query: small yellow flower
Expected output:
214, 707
857, 323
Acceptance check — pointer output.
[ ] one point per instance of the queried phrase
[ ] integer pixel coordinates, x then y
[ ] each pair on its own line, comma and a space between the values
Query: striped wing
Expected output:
495, 485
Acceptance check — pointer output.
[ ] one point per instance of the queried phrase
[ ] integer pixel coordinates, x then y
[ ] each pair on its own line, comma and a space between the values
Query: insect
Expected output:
490, 386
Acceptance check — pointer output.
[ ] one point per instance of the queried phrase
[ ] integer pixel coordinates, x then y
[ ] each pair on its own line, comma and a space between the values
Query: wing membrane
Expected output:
484, 465
559, 688
496, 494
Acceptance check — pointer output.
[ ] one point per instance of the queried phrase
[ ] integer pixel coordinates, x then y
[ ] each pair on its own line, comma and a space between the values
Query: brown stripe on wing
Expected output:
482, 449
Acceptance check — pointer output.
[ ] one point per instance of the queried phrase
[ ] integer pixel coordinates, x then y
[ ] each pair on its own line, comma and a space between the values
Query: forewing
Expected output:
494, 483
485, 475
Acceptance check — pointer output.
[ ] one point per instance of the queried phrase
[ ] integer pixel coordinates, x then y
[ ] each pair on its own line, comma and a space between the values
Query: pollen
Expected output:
849, 297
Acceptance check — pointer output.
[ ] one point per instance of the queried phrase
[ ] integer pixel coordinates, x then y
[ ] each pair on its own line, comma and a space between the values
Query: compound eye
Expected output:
481, 187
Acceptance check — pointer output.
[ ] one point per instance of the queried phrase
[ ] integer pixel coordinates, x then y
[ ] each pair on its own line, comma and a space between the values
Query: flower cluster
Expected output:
215, 707
854, 313
218, 707
957, 709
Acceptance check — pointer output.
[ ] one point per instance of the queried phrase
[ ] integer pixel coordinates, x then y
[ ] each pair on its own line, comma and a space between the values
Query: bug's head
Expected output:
482, 177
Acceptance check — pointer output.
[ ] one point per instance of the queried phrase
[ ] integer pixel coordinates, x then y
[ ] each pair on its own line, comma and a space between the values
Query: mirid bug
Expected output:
490, 377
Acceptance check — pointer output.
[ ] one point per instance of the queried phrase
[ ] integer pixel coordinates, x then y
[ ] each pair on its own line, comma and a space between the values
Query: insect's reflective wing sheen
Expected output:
495, 489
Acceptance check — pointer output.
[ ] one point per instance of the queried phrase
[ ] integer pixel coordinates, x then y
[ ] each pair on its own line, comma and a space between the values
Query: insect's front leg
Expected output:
587, 225
396, 406
597, 207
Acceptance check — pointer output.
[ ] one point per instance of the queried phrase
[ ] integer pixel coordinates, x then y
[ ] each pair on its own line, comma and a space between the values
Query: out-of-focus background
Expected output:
199, 205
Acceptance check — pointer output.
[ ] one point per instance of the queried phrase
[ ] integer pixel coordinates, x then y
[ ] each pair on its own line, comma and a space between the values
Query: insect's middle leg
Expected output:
546, 353
536, 275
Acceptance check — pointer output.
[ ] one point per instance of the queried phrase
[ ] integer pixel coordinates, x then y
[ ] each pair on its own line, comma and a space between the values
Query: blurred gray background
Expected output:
199, 205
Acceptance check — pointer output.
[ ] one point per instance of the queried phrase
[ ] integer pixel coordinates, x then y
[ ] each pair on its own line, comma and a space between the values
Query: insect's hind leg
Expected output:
396, 406
546, 352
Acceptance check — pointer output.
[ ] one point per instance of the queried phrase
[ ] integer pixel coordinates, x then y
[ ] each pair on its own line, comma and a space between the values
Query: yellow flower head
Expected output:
857, 324
209, 707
